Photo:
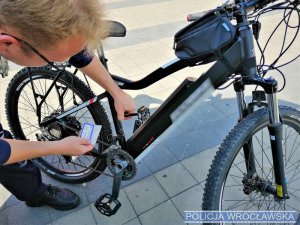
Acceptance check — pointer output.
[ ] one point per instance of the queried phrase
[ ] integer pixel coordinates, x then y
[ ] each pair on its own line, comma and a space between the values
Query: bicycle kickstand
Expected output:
108, 204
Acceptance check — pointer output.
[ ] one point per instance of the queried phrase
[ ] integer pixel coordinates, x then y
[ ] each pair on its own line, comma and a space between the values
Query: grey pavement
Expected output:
171, 177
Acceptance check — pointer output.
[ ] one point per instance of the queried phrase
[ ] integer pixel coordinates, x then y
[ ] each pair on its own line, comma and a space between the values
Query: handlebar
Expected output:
194, 16
258, 3
248, 5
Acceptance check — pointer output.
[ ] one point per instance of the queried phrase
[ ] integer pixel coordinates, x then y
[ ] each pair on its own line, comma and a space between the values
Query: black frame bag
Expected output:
205, 39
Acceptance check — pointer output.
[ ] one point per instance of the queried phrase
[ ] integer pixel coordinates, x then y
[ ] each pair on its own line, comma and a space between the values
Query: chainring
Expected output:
117, 155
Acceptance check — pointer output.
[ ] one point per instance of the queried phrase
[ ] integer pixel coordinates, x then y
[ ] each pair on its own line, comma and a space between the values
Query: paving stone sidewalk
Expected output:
171, 177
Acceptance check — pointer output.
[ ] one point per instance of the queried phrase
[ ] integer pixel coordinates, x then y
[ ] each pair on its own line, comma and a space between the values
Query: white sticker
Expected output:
273, 138
91, 132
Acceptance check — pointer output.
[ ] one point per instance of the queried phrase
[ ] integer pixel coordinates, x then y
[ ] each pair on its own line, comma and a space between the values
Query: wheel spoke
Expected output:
295, 172
244, 202
29, 124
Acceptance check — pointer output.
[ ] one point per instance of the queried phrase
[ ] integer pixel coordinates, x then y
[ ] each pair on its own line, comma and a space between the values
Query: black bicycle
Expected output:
257, 166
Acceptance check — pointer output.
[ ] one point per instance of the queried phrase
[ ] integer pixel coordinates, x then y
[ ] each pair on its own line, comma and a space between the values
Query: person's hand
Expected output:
74, 146
124, 103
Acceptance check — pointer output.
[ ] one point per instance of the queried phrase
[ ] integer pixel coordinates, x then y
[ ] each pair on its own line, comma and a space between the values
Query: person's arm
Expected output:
97, 72
23, 150
91, 66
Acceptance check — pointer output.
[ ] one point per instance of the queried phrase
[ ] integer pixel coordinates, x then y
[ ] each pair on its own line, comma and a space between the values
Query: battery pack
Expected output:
160, 120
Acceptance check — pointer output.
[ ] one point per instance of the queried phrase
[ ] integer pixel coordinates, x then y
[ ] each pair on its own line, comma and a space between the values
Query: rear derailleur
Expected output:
123, 167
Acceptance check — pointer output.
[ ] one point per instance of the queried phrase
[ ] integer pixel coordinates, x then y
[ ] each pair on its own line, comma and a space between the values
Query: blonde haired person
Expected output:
59, 30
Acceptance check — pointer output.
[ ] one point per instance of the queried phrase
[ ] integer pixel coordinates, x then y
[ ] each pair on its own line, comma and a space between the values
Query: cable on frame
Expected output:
288, 7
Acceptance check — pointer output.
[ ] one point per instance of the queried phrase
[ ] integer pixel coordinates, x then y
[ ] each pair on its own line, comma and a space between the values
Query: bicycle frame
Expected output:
216, 75
238, 59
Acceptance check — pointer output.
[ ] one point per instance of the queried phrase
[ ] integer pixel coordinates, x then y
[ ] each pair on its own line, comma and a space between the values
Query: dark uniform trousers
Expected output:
22, 179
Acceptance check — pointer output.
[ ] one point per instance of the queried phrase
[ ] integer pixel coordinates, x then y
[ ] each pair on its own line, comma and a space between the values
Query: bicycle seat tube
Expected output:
101, 56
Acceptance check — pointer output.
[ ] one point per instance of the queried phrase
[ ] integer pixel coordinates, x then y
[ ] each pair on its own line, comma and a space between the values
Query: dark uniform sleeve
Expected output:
81, 59
4, 151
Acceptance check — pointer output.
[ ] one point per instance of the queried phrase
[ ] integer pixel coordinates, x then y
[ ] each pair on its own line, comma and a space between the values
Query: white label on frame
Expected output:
91, 132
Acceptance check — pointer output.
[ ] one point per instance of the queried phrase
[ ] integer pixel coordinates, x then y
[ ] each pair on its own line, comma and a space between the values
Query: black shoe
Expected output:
57, 198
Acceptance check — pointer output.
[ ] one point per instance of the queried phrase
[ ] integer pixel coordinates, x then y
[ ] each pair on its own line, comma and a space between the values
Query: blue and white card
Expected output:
91, 132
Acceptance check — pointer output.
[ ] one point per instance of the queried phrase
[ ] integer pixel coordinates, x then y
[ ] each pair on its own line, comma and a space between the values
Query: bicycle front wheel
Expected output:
21, 109
227, 185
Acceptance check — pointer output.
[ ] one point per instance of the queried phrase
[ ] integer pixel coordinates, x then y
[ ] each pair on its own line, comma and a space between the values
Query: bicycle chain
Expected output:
115, 153
94, 170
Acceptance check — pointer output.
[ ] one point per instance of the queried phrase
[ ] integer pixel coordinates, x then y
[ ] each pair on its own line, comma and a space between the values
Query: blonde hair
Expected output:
43, 23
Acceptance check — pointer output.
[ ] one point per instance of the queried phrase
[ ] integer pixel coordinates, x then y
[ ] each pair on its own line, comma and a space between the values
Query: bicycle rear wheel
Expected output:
226, 186
23, 120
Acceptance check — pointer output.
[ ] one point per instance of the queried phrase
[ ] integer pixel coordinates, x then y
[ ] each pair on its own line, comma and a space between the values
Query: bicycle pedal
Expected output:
107, 205
143, 113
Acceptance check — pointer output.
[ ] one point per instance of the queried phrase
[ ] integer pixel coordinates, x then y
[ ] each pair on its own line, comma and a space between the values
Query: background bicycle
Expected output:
217, 119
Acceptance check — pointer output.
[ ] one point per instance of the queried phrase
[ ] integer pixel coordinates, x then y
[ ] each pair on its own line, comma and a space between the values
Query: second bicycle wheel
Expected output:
229, 188
21, 110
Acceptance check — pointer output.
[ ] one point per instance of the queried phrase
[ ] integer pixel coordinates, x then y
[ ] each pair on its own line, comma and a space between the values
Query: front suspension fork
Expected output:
276, 137
275, 128
243, 112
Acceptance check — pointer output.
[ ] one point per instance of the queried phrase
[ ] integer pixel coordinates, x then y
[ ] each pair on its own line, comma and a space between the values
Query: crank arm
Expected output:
108, 204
